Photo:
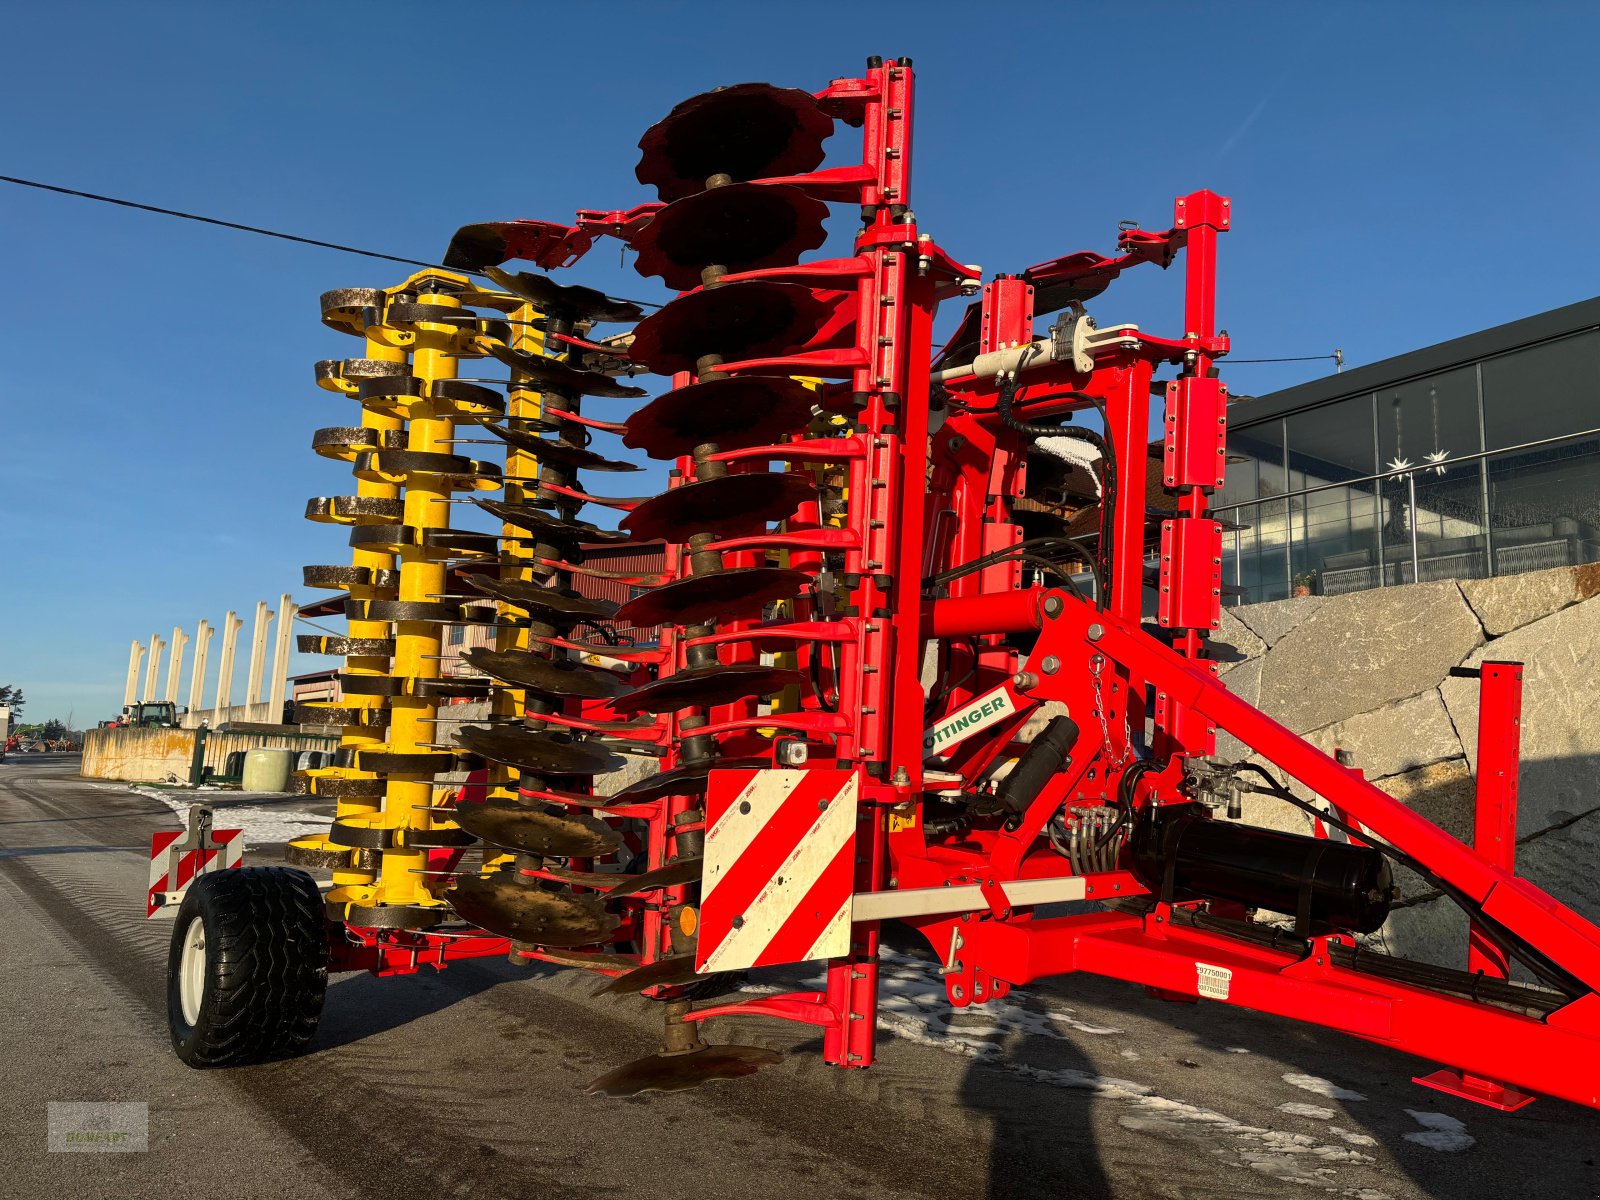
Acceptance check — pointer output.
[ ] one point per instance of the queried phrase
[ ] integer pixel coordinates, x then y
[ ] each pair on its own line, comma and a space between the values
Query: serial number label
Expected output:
1213, 982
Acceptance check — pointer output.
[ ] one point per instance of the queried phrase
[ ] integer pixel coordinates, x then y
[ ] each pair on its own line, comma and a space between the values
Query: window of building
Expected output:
458, 634
1257, 555
1255, 463
1332, 531
1334, 541
1429, 421
1545, 391
1332, 443
1434, 525
1544, 506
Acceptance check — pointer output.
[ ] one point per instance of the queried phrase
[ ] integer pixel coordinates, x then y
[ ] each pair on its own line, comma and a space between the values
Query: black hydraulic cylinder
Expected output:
1044, 757
1180, 853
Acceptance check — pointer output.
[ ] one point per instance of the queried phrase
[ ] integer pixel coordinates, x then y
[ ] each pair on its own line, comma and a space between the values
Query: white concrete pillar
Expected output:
258, 653
135, 657
153, 667
180, 639
280, 658
197, 676
231, 624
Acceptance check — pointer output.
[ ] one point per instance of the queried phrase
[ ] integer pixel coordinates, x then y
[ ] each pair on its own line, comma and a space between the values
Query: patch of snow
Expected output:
1440, 1132
1130, 1055
1237, 1050
1313, 1111
261, 824
1290, 1170
1321, 1087
1289, 1157
1355, 1139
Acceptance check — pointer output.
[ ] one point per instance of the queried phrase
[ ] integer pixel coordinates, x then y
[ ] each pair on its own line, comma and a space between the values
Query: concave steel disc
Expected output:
673, 971
537, 600
572, 301
477, 245
464, 541
679, 1072
345, 309
532, 829
354, 510
755, 319
599, 880
742, 227
687, 780
589, 961
741, 592
562, 796
545, 524
562, 454
554, 374
706, 687
532, 750
678, 871
514, 906
724, 505
547, 676
748, 131
737, 412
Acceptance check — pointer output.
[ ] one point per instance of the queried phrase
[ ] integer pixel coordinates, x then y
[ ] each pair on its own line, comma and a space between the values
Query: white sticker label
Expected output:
986, 710
1213, 982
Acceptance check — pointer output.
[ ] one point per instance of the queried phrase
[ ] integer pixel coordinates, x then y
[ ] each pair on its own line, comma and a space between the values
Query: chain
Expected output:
1097, 665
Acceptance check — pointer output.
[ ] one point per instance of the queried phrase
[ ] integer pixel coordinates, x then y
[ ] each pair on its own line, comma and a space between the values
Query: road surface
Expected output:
468, 1082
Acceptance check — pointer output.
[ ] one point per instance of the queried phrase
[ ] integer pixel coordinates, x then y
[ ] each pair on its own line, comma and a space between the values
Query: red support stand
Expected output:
1471, 1087
1494, 837
1494, 833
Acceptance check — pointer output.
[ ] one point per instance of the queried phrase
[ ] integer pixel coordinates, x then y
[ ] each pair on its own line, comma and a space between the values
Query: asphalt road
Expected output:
468, 1082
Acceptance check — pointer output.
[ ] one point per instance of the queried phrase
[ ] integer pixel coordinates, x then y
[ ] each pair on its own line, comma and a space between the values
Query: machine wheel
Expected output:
248, 967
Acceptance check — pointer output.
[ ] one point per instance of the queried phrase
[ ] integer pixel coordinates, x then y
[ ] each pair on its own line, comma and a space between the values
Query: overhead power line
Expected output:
1337, 356
255, 229
172, 212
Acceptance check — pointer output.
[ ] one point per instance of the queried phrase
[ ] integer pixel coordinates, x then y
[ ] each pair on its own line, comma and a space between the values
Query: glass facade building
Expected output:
1479, 456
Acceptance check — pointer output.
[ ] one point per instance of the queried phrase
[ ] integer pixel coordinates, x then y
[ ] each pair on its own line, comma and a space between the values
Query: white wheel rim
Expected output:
192, 971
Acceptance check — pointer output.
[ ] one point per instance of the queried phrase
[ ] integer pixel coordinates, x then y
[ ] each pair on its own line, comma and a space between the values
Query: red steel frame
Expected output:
909, 517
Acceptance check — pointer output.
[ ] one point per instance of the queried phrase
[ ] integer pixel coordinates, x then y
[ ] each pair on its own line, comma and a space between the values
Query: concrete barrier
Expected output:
139, 755
152, 755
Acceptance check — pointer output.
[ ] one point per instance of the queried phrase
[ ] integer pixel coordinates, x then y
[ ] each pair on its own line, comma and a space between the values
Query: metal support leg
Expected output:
1494, 837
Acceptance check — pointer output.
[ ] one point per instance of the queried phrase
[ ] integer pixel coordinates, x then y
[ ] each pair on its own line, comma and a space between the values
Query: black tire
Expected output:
264, 972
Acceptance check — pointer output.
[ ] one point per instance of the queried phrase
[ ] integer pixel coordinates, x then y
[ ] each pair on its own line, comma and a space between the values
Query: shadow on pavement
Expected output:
29, 851
361, 1006
1042, 1137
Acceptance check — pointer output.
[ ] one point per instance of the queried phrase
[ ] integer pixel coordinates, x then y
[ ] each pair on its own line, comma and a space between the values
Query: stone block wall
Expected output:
1369, 672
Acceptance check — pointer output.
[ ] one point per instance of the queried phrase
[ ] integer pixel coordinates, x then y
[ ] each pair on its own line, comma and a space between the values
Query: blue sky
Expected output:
1400, 174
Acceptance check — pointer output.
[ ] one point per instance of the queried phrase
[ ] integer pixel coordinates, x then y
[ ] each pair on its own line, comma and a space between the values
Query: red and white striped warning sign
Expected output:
779, 867
178, 857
